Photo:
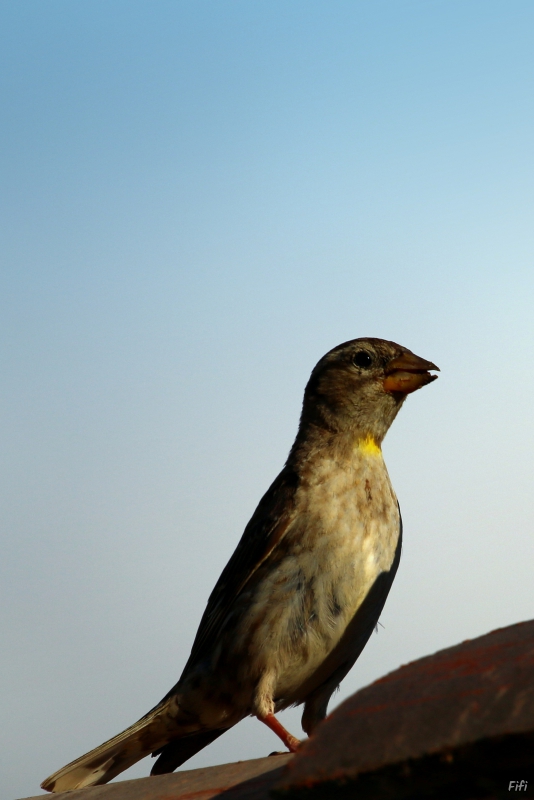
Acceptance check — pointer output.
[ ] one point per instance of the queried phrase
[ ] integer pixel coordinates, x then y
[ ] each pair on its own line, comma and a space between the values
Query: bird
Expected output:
303, 591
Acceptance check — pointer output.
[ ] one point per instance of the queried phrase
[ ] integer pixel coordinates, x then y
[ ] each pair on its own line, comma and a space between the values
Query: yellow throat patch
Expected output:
369, 447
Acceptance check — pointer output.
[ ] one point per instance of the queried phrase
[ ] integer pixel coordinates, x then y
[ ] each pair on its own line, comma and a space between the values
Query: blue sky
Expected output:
198, 200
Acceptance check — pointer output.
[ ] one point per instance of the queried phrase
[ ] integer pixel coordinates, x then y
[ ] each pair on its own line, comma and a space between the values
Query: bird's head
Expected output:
359, 386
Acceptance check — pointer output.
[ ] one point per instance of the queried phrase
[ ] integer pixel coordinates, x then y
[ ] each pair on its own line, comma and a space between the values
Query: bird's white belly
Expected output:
345, 535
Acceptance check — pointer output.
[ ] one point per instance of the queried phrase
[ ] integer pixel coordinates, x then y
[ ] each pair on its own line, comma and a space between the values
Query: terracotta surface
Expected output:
461, 718
244, 780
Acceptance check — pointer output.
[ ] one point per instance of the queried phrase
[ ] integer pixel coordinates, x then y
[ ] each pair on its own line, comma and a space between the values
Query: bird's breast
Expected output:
343, 535
346, 524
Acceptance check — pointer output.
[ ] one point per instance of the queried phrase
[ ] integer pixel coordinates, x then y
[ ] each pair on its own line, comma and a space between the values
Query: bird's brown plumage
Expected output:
300, 596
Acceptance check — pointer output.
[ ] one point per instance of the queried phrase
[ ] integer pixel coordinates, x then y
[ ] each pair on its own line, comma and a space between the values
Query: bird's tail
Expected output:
151, 733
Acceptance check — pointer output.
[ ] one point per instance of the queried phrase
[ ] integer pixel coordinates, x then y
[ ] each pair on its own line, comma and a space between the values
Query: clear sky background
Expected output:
198, 200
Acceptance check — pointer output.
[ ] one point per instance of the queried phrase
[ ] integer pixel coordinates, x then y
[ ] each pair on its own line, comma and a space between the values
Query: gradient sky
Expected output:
199, 199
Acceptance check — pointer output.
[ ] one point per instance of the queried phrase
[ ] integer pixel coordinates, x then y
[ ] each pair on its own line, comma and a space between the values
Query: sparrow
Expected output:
298, 600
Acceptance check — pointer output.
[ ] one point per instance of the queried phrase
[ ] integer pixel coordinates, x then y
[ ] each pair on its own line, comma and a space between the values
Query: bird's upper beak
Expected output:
407, 373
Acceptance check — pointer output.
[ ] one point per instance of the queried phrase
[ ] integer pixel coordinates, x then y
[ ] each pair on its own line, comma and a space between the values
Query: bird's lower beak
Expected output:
407, 373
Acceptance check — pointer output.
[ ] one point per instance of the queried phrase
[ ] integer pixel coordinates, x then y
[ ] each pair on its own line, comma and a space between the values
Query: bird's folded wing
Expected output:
265, 530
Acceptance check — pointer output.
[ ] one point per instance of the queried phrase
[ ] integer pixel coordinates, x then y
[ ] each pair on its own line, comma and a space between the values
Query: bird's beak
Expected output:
407, 373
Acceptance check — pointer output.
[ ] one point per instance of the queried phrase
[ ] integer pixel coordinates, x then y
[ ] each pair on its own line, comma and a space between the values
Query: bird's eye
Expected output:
362, 359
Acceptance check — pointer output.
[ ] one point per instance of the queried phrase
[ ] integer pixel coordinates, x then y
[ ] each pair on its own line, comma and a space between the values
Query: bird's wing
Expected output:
265, 530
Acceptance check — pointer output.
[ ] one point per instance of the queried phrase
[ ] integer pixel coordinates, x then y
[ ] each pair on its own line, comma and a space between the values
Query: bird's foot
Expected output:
290, 741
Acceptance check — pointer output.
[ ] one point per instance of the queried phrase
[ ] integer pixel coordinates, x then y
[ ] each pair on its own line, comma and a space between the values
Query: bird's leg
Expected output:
291, 742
